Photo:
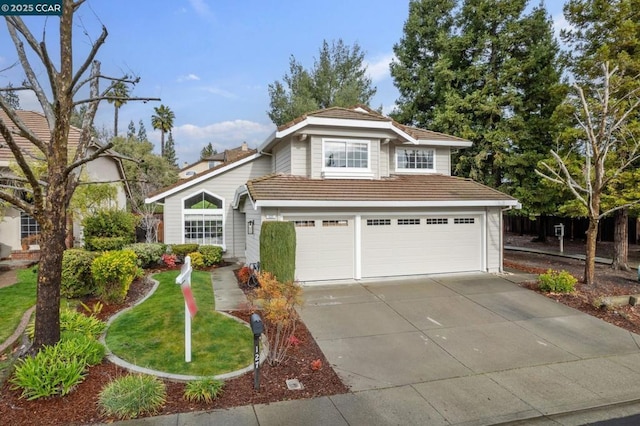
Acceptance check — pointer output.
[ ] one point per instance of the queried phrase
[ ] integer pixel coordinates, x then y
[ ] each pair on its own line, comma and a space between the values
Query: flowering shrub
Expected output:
169, 260
278, 302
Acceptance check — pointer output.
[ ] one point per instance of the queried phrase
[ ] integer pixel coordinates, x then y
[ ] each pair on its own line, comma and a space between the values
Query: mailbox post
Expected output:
257, 327
559, 231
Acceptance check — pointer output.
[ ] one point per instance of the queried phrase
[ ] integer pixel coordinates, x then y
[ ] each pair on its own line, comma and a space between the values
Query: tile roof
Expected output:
394, 188
361, 112
37, 123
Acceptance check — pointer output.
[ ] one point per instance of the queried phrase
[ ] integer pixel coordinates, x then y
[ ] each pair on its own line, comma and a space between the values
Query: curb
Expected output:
24, 321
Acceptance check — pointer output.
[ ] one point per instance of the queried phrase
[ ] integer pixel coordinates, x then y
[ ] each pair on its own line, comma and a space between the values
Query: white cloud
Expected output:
378, 69
188, 77
201, 8
191, 138
219, 92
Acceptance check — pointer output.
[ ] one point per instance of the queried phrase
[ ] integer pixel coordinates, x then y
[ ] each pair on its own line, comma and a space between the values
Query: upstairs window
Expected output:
346, 154
420, 159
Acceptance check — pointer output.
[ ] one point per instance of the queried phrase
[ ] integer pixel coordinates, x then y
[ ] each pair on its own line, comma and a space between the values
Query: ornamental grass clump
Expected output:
131, 396
278, 302
557, 282
205, 389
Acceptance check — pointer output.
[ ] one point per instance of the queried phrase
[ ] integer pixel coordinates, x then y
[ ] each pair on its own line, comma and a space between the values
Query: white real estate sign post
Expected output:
190, 308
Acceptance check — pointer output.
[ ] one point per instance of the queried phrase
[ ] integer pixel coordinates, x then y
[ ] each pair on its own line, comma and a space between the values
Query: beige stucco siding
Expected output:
9, 232
223, 186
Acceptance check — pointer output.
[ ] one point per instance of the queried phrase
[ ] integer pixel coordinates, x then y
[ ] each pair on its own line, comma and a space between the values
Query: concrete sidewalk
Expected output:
453, 350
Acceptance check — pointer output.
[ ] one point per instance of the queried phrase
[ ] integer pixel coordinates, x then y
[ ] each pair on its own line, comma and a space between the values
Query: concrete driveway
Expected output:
460, 349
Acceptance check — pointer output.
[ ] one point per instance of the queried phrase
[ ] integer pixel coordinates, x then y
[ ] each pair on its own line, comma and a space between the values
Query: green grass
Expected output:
151, 335
15, 300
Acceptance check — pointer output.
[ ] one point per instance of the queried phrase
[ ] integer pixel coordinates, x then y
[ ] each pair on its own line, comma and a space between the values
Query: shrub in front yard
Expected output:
557, 281
131, 396
77, 280
197, 261
181, 250
211, 255
169, 260
74, 322
149, 254
50, 372
111, 223
105, 243
278, 302
205, 389
278, 249
113, 272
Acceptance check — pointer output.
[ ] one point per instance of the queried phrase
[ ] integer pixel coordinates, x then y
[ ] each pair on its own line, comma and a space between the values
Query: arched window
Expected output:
203, 219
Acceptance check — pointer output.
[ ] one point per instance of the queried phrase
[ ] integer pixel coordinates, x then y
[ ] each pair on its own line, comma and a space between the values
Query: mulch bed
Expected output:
80, 406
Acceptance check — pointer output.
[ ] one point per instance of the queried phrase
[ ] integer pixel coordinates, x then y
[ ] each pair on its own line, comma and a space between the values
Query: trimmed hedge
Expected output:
211, 255
181, 250
278, 250
111, 223
149, 254
77, 280
105, 243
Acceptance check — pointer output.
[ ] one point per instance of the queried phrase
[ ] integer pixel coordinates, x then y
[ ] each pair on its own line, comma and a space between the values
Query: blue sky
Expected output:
211, 61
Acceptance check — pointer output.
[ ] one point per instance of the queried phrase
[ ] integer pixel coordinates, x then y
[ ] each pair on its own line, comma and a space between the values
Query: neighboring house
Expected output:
368, 197
227, 156
15, 224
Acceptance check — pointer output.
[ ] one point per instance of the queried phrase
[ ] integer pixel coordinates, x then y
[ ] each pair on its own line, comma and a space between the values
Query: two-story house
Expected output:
368, 197
16, 225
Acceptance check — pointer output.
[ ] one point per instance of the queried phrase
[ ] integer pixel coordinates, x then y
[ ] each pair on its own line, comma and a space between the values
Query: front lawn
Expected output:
15, 300
151, 334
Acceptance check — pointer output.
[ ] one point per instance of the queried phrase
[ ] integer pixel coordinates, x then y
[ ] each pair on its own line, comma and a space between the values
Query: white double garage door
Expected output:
368, 246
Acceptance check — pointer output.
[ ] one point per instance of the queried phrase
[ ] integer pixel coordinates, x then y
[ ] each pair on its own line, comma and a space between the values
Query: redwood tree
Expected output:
49, 172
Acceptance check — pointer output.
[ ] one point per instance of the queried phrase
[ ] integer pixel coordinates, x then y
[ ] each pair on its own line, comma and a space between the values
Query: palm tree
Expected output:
162, 120
118, 96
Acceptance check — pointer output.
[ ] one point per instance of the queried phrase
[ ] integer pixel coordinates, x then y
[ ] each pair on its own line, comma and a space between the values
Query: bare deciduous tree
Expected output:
63, 88
604, 149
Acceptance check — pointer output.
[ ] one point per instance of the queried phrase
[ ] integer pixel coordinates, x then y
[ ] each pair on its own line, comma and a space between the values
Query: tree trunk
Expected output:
68, 240
47, 330
621, 241
590, 250
115, 122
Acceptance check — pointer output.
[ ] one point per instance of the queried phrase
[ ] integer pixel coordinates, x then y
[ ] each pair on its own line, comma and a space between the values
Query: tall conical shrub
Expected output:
278, 249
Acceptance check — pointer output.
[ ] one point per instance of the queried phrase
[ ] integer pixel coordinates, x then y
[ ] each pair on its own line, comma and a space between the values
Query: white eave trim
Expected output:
202, 178
353, 203
369, 124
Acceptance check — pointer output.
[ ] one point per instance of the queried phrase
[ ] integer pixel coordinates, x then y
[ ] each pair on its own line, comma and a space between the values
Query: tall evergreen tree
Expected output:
142, 132
486, 71
131, 130
338, 78
170, 151
208, 151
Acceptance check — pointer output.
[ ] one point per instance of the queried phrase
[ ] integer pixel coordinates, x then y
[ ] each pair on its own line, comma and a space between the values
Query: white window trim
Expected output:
405, 170
347, 172
203, 211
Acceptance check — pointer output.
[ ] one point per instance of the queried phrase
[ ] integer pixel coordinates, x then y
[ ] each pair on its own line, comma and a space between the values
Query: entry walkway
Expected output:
454, 350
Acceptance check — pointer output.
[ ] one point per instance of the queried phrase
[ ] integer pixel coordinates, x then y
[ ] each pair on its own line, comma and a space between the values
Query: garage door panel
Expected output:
324, 248
389, 248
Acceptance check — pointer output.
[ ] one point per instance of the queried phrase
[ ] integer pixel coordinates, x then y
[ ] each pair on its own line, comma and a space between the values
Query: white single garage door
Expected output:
324, 248
412, 245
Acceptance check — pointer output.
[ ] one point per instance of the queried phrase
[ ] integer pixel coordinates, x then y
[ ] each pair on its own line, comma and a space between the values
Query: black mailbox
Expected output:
256, 324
